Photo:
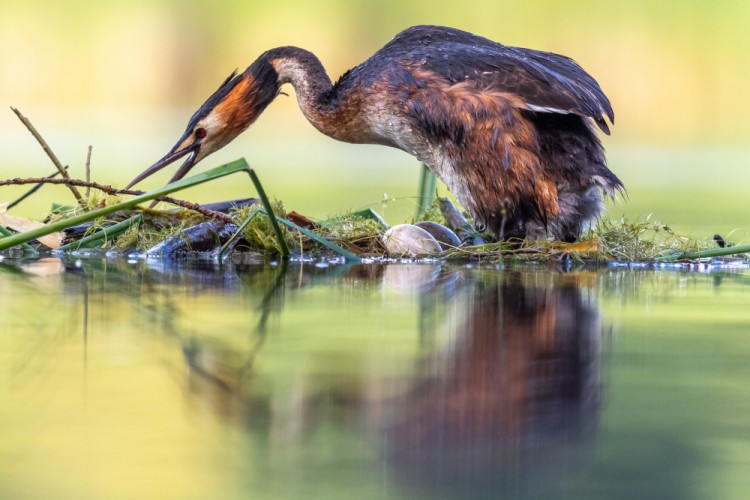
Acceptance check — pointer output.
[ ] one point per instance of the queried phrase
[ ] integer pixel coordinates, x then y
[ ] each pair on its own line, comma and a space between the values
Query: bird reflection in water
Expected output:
513, 399
505, 394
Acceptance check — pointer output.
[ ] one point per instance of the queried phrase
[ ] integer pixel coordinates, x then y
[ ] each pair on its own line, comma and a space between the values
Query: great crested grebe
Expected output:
509, 130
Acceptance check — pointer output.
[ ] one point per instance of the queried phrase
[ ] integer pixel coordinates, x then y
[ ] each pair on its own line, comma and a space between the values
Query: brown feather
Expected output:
233, 109
495, 168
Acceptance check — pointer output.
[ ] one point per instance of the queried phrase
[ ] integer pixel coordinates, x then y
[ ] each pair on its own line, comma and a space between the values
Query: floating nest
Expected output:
244, 226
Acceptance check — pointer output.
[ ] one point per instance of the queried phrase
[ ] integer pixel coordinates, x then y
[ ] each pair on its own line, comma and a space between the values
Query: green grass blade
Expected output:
215, 173
105, 234
269, 212
349, 256
369, 213
715, 252
236, 235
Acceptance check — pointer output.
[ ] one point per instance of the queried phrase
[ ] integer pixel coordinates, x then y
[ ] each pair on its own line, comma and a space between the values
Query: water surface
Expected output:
141, 379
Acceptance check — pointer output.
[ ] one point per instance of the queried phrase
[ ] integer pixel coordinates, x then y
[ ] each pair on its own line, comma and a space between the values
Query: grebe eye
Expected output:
200, 133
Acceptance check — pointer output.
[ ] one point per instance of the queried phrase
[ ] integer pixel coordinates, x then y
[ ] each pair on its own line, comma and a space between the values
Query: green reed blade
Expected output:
349, 256
269, 212
715, 252
427, 186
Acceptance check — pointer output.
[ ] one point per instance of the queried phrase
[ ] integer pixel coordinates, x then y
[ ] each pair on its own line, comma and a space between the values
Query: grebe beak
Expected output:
191, 151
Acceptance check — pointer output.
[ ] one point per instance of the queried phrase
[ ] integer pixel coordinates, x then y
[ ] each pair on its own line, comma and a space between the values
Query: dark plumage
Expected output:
542, 79
509, 130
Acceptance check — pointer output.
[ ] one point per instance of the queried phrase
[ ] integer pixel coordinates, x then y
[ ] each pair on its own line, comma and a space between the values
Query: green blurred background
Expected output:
125, 76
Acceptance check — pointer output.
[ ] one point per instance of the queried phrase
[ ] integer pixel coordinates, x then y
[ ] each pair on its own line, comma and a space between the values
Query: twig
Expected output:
31, 191
113, 191
88, 172
49, 152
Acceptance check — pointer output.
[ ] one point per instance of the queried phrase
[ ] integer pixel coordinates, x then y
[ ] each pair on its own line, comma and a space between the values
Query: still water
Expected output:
140, 379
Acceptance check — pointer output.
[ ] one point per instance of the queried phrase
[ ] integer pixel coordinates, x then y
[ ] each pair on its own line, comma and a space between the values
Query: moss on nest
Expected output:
361, 232
259, 233
641, 240
608, 240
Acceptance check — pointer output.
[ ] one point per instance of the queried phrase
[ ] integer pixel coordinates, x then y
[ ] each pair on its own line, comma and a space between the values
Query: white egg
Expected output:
409, 240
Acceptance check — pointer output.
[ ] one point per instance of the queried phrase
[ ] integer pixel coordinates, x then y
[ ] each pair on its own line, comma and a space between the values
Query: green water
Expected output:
143, 380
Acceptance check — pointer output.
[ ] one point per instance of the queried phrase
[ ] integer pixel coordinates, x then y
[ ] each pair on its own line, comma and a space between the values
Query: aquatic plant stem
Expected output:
427, 186
6, 232
699, 254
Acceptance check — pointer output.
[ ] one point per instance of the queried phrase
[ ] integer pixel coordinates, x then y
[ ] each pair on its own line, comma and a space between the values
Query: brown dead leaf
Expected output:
301, 220
20, 224
591, 246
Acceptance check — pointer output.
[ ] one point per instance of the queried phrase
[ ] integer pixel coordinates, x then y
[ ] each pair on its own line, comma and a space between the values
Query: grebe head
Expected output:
228, 112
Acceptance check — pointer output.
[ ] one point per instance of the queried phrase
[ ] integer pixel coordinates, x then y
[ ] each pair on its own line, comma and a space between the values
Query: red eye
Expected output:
200, 133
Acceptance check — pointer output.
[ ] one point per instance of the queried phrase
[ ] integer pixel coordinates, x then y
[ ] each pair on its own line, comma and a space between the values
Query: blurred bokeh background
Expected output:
124, 76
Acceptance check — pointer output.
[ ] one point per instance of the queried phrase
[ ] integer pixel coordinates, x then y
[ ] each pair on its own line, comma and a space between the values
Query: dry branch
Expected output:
49, 152
114, 191
31, 191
